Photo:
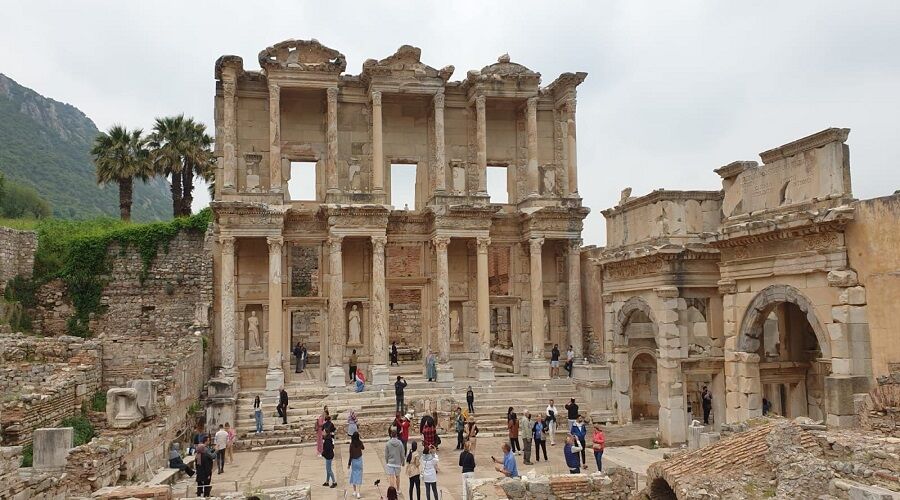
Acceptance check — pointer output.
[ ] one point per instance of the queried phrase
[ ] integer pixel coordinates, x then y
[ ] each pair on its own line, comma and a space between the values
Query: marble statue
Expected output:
355, 178
253, 330
252, 181
454, 325
549, 181
459, 180
353, 325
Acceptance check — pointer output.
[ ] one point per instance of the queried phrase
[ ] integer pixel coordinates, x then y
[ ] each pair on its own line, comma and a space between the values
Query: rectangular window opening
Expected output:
302, 185
403, 186
496, 184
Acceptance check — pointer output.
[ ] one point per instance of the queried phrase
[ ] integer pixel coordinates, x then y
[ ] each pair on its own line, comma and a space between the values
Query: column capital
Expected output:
227, 243
441, 242
480, 101
531, 104
332, 93
575, 245
334, 242
483, 243
569, 106
376, 98
274, 90
378, 243
439, 99
535, 243
275, 243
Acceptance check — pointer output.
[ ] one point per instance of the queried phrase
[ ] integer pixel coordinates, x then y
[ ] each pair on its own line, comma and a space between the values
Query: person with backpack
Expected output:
470, 399
579, 430
467, 462
414, 471
526, 427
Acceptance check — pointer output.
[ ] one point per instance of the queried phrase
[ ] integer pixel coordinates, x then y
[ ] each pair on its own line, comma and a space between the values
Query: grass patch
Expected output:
98, 401
20, 224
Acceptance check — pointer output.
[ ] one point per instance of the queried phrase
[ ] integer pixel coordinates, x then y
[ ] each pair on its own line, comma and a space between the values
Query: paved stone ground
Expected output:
253, 470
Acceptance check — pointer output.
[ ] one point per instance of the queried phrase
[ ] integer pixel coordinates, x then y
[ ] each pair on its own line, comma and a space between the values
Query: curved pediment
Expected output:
405, 63
503, 69
303, 55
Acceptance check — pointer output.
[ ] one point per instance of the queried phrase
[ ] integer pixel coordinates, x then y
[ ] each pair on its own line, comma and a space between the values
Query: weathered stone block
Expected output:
51, 447
843, 278
839, 395
122, 410
145, 396
854, 295
870, 492
849, 314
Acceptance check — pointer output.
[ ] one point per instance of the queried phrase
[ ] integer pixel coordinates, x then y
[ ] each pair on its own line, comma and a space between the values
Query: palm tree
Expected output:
167, 142
121, 155
198, 160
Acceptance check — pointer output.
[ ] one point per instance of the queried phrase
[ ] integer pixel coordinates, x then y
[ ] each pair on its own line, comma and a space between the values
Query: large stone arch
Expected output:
628, 308
751, 330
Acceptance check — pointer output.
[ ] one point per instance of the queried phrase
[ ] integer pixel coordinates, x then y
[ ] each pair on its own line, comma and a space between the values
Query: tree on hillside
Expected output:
181, 149
120, 156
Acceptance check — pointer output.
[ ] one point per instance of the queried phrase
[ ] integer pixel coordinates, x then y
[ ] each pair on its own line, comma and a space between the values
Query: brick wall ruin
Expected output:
17, 249
615, 484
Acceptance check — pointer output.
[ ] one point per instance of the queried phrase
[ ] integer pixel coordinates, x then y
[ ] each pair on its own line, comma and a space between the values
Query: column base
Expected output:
335, 377
445, 372
381, 375
539, 369
274, 379
485, 371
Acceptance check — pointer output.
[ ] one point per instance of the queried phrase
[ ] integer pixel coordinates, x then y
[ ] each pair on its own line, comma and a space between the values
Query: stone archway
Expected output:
623, 317
751, 331
634, 333
644, 386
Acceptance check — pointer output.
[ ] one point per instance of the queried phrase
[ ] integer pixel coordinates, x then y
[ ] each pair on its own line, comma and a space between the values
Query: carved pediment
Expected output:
503, 69
303, 55
405, 63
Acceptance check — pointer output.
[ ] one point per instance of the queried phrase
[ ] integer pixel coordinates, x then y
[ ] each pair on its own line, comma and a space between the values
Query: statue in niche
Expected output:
253, 330
454, 325
353, 325
459, 179
355, 178
252, 181
549, 180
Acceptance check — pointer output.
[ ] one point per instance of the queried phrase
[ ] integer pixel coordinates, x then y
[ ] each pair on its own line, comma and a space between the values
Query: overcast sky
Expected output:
674, 89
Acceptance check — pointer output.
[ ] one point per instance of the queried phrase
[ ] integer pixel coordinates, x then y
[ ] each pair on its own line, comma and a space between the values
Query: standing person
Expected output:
460, 423
352, 423
320, 431
554, 361
570, 360
282, 405
399, 386
393, 459
579, 430
221, 442
599, 444
550, 422
413, 471
229, 449
355, 463
328, 428
258, 414
539, 442
472, 434
304, 357
507, 466
706, 399
571, 413
204, 463
512, 425
429, 472
526, 427
431, 367
428, 435
328, 455
467, 462
395, 355
470, 399
354, 359
404, 430
360, 381
298, 351
570, 450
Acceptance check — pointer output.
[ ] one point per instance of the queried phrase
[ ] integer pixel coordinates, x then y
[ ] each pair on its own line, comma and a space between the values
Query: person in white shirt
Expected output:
570, 360
552, 415
221, 442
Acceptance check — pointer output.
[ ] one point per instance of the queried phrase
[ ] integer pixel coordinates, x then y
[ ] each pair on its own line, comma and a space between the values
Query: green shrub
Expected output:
98, 402
84, 431
27, 455
21, 289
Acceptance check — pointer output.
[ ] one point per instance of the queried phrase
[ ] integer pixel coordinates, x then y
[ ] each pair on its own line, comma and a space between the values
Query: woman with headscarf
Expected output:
360, 380
176, 462
352, 423
431, 367
320, 431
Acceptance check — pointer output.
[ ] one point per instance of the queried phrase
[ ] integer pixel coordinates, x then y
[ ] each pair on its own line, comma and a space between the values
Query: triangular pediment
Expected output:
303, 55
405, 63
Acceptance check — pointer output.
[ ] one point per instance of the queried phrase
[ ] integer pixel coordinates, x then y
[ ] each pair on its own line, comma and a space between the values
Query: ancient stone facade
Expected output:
17, 249
460, 272
752, 292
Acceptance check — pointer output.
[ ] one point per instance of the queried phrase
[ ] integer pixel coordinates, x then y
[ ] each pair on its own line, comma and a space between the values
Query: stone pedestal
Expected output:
220, 403
274, 379
485, 371
122, 410
335, 377
445, 372
381, 375
693, 437
539, 369
51, 448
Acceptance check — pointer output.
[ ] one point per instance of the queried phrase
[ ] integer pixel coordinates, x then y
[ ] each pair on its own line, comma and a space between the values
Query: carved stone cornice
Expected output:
562, 222
663, 195
807, 143
229, 61
782, 227
374, 217
302, 55
622, 267
404, 64
248, 214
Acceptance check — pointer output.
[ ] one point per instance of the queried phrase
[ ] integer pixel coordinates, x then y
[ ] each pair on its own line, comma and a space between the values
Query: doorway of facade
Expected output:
644, 393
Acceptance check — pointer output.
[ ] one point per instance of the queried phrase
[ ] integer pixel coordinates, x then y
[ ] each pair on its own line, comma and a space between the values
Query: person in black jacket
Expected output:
470, 399
395, 355
399, 385
467, 462
282, 405
572, 413
328, 455
204, 462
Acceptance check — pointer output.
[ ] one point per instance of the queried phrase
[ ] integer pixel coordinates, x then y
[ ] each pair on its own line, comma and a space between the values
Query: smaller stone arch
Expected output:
758, 310
630, 306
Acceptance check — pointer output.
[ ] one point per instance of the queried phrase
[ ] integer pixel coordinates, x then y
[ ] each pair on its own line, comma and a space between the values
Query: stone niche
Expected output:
122, 410
51, 448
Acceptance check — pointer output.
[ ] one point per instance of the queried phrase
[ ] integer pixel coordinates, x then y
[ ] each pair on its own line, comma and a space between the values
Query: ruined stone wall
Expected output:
53, 309
43, 381
872, 252
615, 484
17, 249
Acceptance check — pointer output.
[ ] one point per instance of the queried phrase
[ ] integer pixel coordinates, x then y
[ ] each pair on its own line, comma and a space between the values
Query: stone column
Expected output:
336, 319
539, 367
485, 365
670, 386
572, 156
331, 138
532, 142
377, 145
444, 368
275, 373
440, 154
380, 375
227, 291
275, 175
229, 145
481, 144
576, 334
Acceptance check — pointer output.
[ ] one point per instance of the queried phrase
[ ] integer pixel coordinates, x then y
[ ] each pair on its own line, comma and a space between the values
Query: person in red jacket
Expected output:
599, 443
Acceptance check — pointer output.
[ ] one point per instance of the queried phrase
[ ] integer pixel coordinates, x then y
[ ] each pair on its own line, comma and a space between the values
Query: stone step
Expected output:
376, 398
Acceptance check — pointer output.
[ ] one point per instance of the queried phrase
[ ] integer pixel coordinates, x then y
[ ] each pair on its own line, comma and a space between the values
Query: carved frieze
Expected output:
303, 55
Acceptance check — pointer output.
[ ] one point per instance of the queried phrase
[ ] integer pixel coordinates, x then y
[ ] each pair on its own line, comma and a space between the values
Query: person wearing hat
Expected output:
404, 430
471, 434
526, 429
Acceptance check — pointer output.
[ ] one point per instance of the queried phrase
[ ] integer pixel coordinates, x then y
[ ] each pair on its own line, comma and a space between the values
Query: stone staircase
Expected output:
375, 406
